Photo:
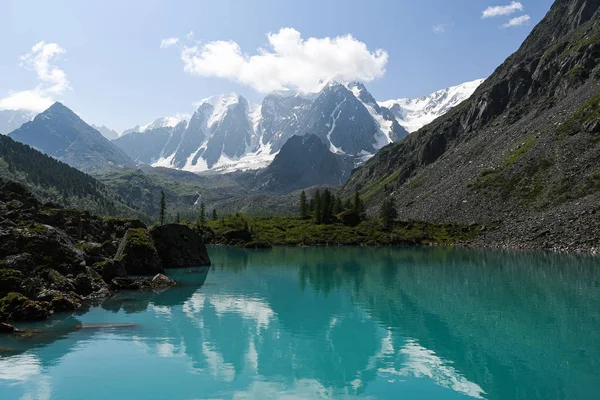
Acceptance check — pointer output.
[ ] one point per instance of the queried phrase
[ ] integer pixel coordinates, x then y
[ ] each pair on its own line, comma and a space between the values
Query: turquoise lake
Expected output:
311, 323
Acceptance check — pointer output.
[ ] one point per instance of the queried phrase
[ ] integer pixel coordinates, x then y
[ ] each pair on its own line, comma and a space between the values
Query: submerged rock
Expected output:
179, 246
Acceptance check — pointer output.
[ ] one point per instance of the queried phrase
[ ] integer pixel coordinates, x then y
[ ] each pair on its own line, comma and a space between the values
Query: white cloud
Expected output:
443, 28
168, 42
53, 80
496, 11
518, 21
290, 62
190, 35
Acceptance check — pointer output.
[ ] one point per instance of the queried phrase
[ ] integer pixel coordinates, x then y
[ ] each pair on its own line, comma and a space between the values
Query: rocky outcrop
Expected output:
138, 254
178, 246
55, 260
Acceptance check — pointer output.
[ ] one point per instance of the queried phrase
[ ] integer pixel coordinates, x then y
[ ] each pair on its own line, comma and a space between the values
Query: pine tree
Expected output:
163, 207
202, 213
326, 207
214, 215
178, 219
303, 206
317, 207
388, 213
337, 206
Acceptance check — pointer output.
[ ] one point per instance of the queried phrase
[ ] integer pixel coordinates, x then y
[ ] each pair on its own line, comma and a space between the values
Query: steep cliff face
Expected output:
521, 152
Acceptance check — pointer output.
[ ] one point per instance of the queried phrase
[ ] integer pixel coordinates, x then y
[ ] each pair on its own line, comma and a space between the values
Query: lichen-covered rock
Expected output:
138, 254
179, 246
17, 307
59, 282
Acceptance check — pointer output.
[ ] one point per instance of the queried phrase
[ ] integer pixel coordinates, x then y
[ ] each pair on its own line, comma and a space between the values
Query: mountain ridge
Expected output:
519, 154
60, 133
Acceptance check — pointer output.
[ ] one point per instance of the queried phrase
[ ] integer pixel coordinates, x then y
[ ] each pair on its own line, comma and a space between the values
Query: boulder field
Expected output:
54, 259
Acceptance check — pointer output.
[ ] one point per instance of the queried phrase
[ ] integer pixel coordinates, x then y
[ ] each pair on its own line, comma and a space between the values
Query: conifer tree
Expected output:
388, 213
163, 207
303, 206
202, 213
214, 215
317, 207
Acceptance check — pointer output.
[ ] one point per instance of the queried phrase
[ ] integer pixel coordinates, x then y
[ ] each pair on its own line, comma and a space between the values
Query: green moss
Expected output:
139, 237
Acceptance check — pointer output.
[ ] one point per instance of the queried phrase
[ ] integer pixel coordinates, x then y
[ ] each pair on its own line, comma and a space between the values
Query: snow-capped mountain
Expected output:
228, 133
413, 114
13, 119
162, 122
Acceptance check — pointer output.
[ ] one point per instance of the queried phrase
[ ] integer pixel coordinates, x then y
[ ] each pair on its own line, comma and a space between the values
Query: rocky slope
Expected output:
520, 155
54, 259
60, 133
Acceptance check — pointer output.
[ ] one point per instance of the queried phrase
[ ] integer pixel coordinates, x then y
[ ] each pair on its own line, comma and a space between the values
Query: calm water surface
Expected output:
385, 323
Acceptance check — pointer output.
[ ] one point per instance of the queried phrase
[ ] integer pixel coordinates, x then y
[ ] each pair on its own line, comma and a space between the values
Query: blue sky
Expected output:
104, 59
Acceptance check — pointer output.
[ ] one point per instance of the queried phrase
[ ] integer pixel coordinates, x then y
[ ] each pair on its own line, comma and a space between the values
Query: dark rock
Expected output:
124, 284
6, 328
111, 269
21, 262
60, 282
238, 236
10, 280
64, 304
138, 254
17, 307
179, 246
83, 284
349, 218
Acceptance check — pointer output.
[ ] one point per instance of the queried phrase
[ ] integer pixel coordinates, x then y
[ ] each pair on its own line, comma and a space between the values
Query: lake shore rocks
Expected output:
55, 260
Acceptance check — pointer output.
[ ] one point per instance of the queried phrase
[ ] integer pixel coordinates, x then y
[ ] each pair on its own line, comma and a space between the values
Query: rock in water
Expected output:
162, 281
138, 254
6, 328
179, 246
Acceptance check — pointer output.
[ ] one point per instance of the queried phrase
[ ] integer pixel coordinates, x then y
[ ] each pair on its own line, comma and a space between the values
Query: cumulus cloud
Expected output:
168, 42
52, 80
289, 62
496, 11
518, 21
443, 28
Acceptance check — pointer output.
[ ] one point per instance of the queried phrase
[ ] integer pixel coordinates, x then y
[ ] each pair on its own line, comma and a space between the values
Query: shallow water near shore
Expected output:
341, 322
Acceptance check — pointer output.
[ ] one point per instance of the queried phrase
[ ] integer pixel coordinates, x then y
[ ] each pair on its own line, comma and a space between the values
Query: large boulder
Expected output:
179, 246
17, 307
138, 254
